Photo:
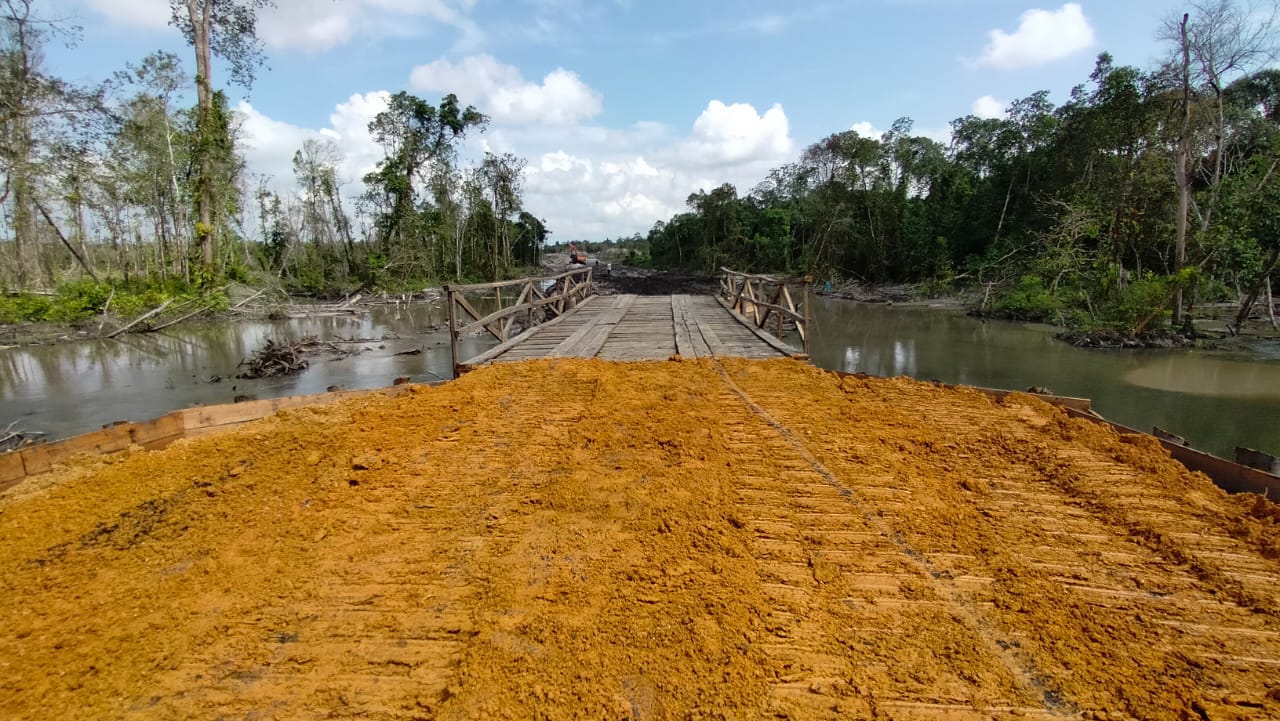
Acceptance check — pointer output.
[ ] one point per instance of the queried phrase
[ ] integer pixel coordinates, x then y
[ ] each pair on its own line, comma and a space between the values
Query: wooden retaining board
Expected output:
17, 465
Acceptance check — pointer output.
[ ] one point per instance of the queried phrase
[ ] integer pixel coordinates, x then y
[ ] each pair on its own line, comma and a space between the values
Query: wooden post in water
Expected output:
453, 330
808, 325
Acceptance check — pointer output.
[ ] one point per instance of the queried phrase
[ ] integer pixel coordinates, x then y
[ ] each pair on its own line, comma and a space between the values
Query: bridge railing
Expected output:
511, 299
762, 299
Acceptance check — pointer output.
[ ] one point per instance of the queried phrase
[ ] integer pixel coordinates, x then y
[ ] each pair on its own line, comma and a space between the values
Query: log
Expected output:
140, 318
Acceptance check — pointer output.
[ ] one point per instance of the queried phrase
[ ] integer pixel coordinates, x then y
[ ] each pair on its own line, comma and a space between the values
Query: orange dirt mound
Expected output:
693, 540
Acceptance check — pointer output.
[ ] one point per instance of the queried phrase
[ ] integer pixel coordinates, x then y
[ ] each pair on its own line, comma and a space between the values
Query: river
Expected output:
1215, 399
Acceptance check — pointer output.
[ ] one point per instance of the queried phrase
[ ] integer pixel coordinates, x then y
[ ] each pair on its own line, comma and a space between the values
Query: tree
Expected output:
34, 108
228, 29
324, 222
416, 137
502, 175
1215, 41
148, 152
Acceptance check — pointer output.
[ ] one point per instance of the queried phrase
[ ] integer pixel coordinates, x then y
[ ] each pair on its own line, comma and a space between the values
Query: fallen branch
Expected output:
282, 359
179, 319
11, 439
140, 318
246, 300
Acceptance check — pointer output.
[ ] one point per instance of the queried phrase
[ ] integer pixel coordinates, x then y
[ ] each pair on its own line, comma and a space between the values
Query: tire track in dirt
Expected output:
887, 609
1076, 590
581, 539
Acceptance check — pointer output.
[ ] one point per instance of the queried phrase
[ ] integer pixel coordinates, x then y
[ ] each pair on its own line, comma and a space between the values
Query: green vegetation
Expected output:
80, 300
121, 187
1146, 193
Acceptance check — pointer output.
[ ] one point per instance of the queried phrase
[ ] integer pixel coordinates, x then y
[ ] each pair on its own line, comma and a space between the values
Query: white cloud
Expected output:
1042, 36
586, 180
866, 130
319, 25
734, 134
269, 144
151, 14
503, 93
988, 107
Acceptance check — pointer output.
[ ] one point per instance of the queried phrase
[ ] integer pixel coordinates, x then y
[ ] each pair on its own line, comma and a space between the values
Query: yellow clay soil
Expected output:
677, 540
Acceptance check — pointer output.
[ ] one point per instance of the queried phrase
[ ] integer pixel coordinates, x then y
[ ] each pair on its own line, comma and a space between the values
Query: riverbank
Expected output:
236, 303
1211, 324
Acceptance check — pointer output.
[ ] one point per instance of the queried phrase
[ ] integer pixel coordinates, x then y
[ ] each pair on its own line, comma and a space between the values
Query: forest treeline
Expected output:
1147, 192
124, 193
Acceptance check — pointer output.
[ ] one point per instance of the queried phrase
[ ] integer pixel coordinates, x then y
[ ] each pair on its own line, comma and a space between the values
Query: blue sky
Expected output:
624, 107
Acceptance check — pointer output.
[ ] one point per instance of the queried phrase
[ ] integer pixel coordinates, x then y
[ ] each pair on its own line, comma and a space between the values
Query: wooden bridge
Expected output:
737, 323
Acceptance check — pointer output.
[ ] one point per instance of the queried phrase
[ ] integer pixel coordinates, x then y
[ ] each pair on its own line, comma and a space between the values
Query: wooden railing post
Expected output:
757, 298
804, 336
575, 286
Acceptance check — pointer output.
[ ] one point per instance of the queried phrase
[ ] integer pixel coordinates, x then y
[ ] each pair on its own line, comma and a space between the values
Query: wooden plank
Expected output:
503, 313
715, 346
501, 348
453, 323
462, 302
562, 349
605, 328
759, 333
472, 287
690, 342
587, 340
201, 417
160, 432
1229, 476
1079, 404
12, 471
36, 459
41, 457
1257, 459
680, 326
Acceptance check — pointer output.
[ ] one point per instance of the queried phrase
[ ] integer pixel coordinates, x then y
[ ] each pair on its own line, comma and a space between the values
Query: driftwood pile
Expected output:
283, 359
11, 438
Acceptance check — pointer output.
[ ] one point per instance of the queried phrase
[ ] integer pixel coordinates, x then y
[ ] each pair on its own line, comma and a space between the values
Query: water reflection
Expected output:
1217, 400
76, 387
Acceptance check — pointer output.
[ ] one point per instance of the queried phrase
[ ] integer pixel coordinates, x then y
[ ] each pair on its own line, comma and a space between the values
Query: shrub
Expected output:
1030, 300
77, 301
24, 308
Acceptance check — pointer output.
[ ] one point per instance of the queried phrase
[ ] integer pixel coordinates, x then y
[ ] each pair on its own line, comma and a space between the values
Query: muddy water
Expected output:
1217, 400
77, 387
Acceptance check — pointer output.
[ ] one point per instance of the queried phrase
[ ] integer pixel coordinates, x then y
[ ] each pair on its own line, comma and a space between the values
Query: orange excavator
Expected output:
575, 255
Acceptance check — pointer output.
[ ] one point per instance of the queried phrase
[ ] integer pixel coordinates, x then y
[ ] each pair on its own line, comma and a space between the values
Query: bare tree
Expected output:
1215, 41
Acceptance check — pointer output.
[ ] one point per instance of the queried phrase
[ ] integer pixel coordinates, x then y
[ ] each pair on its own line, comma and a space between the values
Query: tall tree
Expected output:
34, 108
416, 137
502, 174
1215, 42
228, 29
149, 151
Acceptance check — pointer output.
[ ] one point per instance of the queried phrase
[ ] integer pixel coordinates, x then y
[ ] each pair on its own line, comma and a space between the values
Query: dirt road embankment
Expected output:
676, 540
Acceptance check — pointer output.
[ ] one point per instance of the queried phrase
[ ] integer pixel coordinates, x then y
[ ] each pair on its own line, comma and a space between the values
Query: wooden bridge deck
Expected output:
631, 327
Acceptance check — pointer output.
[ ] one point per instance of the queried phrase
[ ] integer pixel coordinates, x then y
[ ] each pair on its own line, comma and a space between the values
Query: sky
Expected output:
622, 108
